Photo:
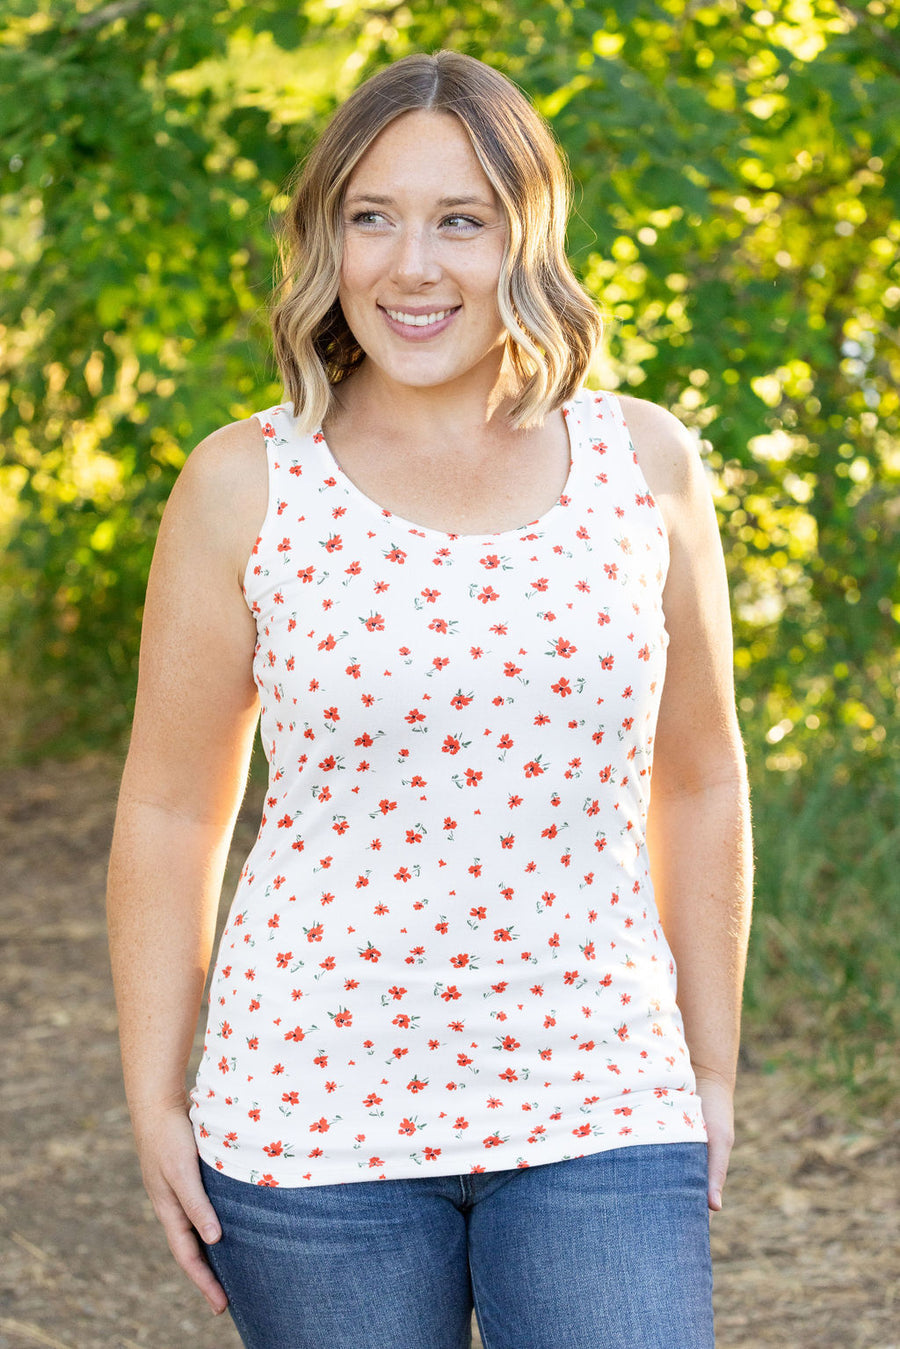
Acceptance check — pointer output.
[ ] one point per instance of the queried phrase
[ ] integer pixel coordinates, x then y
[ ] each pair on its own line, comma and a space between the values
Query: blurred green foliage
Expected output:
738, 219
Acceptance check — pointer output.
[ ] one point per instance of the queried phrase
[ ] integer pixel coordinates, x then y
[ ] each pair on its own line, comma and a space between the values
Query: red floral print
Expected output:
442, 840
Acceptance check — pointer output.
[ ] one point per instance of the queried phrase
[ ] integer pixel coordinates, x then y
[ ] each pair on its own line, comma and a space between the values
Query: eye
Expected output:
367, 218
461, 224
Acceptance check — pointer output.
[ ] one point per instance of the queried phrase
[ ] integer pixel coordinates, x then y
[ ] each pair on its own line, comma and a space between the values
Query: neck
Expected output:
468, 405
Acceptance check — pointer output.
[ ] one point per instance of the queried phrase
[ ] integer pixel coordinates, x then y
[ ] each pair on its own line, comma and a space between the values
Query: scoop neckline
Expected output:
384, 512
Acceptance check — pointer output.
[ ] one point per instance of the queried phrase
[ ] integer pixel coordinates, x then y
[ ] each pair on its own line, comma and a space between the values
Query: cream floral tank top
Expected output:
443, 953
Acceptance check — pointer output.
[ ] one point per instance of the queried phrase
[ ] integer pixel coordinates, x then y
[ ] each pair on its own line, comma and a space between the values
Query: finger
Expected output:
194, 1202
186, 1249
719, 1152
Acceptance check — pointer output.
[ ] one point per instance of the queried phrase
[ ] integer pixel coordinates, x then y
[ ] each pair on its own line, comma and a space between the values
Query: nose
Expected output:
414, 263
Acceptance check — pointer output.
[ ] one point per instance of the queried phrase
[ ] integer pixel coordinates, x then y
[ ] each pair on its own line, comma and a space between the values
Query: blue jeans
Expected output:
609, 1251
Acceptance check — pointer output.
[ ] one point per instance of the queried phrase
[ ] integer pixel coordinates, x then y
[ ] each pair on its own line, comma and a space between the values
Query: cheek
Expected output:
488, 297
484, 275
357, 271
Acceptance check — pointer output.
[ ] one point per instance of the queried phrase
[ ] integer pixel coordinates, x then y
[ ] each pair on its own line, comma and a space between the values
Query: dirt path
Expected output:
808, 1249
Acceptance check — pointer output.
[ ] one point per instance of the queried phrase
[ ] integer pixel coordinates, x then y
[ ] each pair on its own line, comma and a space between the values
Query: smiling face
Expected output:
424, 238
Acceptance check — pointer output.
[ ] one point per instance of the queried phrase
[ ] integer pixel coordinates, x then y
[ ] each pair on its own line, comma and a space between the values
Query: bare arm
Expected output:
699, 825
183, 781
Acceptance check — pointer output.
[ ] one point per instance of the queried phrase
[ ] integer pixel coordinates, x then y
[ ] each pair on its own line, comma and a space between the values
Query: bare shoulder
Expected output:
230, 462
667, 452
220, 498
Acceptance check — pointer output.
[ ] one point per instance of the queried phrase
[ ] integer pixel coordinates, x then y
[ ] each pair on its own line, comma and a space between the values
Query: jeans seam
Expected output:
243, 1328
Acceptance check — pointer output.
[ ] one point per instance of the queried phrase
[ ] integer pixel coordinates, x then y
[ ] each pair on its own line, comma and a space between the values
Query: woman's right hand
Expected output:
171, 1171
195, 720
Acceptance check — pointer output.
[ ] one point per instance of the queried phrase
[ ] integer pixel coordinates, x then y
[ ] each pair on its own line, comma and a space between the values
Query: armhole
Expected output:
263, 419
643, 484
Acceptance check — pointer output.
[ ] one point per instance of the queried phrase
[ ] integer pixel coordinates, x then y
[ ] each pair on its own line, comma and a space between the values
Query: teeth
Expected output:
418, 320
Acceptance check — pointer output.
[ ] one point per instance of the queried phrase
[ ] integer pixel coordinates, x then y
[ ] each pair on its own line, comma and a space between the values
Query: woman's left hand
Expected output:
717, 1097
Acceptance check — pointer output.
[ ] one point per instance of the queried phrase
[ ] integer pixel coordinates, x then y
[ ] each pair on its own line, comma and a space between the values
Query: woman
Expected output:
443, 1055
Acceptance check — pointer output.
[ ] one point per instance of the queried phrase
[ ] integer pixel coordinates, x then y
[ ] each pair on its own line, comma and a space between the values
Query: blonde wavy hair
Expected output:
553, 325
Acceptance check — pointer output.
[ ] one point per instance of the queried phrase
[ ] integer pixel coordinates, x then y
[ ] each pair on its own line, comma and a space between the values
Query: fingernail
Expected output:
210, 1235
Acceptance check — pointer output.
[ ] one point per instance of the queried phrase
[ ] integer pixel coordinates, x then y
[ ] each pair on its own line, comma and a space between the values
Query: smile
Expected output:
418, 320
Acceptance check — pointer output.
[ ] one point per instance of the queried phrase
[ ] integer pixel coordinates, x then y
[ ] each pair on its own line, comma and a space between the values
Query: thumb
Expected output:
197, 1208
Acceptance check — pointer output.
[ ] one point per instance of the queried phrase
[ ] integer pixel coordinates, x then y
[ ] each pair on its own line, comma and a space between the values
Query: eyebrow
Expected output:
444, 202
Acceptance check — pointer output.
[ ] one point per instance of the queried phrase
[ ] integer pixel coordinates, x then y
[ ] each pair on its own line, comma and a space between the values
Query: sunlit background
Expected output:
738, 220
